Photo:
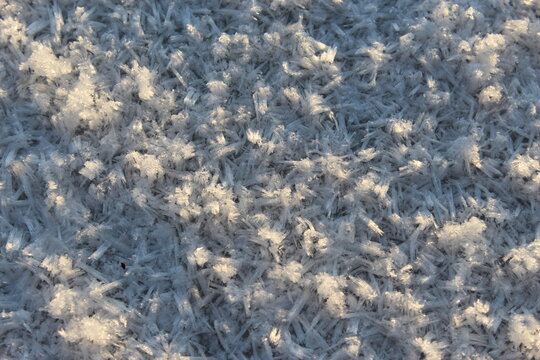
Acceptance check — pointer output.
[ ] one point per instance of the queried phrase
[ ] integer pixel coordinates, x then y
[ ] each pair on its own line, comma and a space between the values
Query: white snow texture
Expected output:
270, 179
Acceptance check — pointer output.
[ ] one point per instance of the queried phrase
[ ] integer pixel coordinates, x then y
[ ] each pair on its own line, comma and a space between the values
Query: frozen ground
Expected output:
288, 179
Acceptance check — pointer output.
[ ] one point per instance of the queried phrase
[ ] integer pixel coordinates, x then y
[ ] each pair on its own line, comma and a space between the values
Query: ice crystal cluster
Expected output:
270, 179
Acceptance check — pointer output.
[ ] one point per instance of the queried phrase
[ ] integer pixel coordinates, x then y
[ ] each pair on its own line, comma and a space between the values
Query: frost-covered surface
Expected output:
289, 179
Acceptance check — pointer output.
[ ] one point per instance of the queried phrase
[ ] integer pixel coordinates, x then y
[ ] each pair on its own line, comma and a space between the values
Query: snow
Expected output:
289, 179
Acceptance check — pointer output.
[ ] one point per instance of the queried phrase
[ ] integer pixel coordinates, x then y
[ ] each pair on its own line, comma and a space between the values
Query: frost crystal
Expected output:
453, 236
524, 332
288, 179
45, 63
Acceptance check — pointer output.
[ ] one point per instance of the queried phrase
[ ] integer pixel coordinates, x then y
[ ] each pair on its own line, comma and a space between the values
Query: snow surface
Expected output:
258, 179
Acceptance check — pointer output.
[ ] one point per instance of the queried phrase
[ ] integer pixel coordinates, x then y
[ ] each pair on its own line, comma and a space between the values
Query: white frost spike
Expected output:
194, 33
524, 166
92, 169
516, 28
377, 54
432, 350
314, 240
294, 97
80, 101
478, 313
147, 164
218, 88
329, 55
60, 266
525, 260
330, 289
453, 236
254, 137
352, 345
377, 58
291, 272
275, 337
367, 154
144, 79
96, 255
491, 95
98, 330
362, 289
45, 63
14, 241
260, 98
490, 43
67, 301
274, 240
524, 332
225, 268
403, 302
371, 224
314, 104
200, 256
12, 31
466, 150
271, 236
401, 129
